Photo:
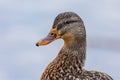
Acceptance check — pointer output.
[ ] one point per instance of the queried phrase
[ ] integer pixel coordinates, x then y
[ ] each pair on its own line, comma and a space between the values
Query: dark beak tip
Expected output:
37, 44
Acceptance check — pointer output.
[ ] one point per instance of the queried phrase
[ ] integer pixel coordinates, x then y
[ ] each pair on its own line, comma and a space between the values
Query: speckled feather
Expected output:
68, 65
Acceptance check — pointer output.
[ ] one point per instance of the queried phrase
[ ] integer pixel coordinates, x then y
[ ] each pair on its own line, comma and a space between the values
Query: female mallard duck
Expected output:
68, 65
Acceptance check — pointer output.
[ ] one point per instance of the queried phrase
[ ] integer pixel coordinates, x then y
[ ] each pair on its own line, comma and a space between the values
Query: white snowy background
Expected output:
24, 22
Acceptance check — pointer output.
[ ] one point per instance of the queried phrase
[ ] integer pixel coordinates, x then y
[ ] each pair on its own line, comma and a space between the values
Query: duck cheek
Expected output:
46, 40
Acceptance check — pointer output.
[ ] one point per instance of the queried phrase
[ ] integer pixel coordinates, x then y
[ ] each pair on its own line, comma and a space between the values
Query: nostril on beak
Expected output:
37, 44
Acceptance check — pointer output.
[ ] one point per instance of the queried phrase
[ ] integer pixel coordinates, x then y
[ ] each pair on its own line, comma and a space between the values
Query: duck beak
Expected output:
48, 39
45, 41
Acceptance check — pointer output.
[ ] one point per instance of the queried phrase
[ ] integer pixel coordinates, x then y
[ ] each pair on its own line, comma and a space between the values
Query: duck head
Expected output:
68, 26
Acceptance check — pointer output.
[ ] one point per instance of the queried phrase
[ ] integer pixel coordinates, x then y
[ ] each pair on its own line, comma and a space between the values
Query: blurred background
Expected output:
24, 22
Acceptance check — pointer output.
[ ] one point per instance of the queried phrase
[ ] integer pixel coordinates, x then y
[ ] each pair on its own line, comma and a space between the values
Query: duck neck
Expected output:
75, 53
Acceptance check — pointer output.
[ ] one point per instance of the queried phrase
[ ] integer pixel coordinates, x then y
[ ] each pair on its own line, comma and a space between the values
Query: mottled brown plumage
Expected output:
68, 65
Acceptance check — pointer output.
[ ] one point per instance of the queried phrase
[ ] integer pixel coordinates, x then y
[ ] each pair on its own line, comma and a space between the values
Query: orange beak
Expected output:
53, 35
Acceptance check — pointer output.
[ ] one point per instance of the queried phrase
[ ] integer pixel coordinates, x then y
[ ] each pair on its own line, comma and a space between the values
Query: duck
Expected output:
70, 61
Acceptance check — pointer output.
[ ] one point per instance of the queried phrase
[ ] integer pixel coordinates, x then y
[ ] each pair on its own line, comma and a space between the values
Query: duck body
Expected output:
68, 67
69, 63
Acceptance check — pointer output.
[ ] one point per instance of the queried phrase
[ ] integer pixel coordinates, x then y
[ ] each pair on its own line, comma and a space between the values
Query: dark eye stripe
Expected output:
68, 22
65, 23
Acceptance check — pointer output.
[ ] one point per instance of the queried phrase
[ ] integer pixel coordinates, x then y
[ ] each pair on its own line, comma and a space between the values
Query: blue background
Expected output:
24, 22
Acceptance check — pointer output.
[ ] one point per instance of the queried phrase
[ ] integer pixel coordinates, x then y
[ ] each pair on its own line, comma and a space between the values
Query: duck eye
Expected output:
52, 34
